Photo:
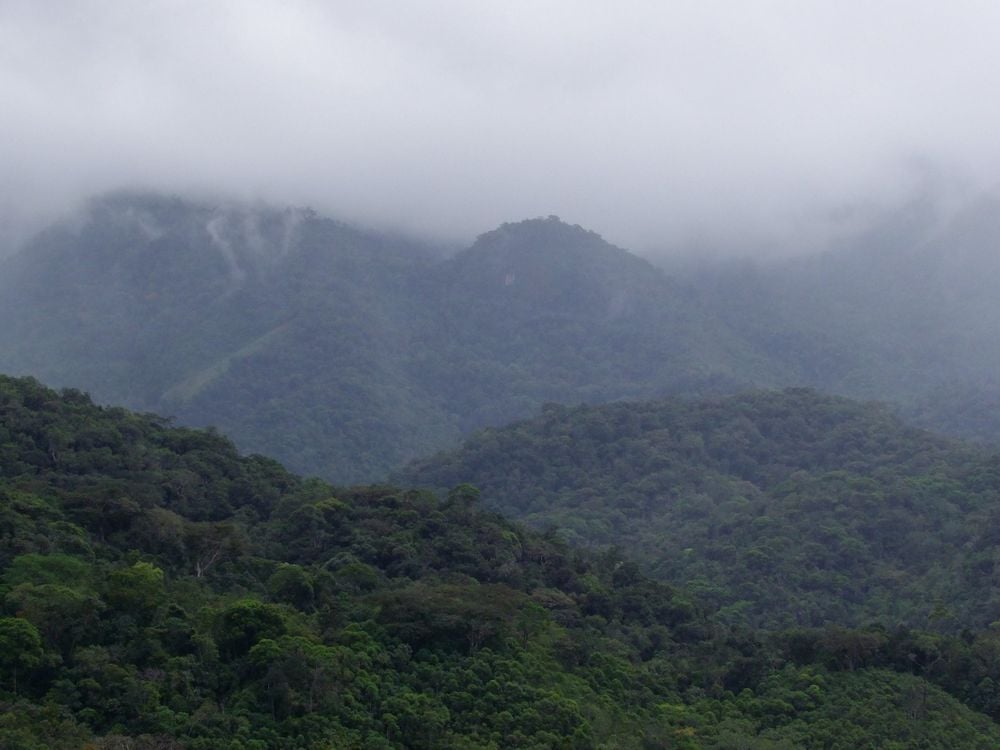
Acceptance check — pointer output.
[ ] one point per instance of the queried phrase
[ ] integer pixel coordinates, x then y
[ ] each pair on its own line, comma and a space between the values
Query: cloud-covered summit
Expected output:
660, 125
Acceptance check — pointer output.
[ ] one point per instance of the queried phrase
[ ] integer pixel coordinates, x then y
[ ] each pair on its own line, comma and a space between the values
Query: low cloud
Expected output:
665, 126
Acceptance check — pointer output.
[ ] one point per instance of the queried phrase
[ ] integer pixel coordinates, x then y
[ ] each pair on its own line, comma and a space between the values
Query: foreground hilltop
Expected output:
160, 591
784, 508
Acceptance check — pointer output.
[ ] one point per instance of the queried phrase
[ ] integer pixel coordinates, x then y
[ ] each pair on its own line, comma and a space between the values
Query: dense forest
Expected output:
345, 353
499, 376
765, 571
160, 591
782, 508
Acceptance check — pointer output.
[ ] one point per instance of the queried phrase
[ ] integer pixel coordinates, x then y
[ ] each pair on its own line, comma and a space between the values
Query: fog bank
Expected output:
758, 127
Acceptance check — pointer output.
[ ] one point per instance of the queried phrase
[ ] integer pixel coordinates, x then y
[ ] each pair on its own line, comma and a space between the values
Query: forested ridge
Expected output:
783, 508
160, 591
344, 352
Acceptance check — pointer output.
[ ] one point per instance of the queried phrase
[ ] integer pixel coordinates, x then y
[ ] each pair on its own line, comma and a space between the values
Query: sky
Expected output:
666, 126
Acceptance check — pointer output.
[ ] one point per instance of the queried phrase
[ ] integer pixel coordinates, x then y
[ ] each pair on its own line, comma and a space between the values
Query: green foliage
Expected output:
782, 509
47, 569
20, 649
169, 594
138, 589
241, 625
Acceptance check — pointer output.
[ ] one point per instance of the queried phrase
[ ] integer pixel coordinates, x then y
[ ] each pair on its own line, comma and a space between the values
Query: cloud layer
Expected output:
661, 125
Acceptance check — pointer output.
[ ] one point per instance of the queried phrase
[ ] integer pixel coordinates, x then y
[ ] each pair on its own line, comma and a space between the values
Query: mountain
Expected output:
343, 352
159, 591
784, 508
541, 311
904, 311
277, 325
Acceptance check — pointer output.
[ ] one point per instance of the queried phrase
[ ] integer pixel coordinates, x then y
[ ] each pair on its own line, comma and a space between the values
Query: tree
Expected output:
64, 616
209, 543
20, 648
137, 589
246, 622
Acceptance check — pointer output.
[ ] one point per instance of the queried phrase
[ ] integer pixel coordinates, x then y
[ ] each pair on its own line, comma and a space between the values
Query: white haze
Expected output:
662, 125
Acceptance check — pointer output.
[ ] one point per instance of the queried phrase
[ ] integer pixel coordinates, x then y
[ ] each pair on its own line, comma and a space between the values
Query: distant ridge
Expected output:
340, 351
784, 508
346, 352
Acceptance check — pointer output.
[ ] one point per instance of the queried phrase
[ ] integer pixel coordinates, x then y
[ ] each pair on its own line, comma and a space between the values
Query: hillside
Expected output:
346, 353
245, 318
784, 509
905, 310
541, 311
341, 352
159, 591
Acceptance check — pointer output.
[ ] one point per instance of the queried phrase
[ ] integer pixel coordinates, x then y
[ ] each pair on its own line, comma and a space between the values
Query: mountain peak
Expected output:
549, 265
548, 233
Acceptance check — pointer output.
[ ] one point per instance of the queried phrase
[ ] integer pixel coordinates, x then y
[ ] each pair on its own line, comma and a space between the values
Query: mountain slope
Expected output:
244, 318
342, 352
346, 353
906, 311
540, 311
783, 508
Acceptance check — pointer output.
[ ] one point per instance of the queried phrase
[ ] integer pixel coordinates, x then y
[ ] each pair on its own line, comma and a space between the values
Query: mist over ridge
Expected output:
346, 351
698, 127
